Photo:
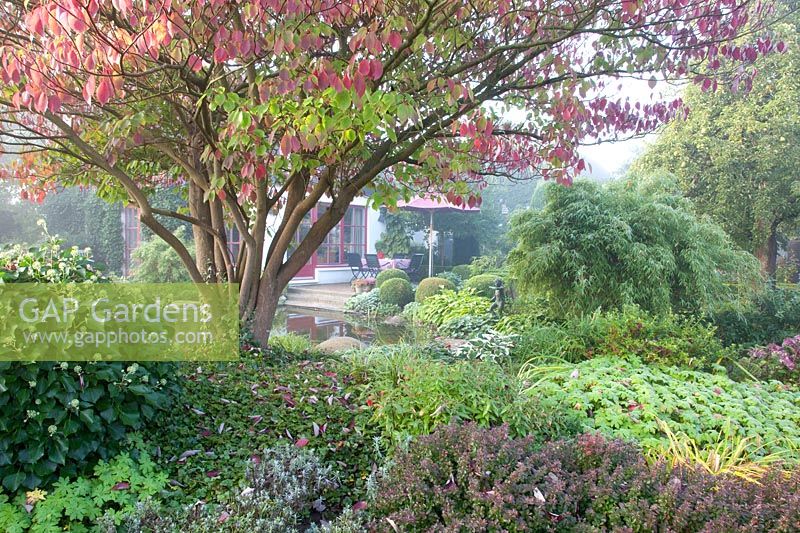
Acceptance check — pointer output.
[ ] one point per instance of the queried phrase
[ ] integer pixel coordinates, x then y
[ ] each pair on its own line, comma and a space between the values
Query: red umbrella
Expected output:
431, 204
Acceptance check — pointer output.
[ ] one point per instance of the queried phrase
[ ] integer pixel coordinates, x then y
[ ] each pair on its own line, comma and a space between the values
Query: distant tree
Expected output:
737, 154
17, 218
594, 246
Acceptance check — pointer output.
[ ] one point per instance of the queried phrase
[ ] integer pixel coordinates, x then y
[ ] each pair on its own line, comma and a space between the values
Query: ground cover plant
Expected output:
464, 478
230, 413
628, 399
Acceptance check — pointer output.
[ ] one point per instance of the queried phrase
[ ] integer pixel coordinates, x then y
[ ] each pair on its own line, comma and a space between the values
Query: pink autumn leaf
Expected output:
301, 442
359, 505
104, 91
395, 40
122, 485
212, 473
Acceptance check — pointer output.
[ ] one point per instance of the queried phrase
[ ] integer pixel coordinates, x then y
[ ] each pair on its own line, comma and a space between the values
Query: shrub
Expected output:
771, 316
664, 338
463, 478
412, 395
604, 247
467, 326
114, 490
462, 271
430, 286
627, 399
485, 264
779, 362
155, 261
390, 273
370, 304
452, 277
58, 419
397, 292
448, 305
482, 284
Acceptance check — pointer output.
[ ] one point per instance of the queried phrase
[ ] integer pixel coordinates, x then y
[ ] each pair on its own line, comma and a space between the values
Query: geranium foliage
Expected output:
266, 106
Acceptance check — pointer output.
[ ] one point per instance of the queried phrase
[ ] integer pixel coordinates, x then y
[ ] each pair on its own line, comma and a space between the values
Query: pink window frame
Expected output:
342, 226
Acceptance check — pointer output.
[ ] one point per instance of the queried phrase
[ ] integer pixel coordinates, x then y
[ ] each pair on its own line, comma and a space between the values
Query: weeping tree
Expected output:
628, 243
259, 109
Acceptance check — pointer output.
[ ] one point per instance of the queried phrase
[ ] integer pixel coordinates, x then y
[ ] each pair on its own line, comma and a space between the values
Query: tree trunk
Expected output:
203, 241
767, 253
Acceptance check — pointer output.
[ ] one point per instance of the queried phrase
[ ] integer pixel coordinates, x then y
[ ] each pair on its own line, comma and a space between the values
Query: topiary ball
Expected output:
430, 286
390, 273
463, 271
482, 284
397, 291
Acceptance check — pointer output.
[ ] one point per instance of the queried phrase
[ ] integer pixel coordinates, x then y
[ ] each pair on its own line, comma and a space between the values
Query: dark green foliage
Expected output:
462, 271
772, 316
390, 273
452, 277
82, 219
664, 338
463, 478
629, 243
482, 284
430, 286
396, 291
396, 236
59, 418
155, 261
231, 412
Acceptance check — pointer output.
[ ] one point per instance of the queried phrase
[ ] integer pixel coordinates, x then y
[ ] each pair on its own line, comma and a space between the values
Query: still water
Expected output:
320, 325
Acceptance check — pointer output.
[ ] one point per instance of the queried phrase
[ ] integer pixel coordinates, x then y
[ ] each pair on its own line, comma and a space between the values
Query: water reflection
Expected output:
320, 325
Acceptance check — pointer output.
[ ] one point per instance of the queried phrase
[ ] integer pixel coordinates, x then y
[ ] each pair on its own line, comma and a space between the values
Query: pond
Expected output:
320, 325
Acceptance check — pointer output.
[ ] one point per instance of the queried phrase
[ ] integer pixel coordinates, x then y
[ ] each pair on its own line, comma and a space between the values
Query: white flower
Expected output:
74, 403
52, 429
31, 384
64, 365
77, 369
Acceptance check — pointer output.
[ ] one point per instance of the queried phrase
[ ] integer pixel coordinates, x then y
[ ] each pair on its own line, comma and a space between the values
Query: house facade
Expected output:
357, 232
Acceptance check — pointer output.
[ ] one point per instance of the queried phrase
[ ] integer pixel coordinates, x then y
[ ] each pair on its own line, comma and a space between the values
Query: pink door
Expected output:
308, 270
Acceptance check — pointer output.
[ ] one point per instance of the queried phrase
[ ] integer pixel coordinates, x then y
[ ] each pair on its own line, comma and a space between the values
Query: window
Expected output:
234, 242
349, 236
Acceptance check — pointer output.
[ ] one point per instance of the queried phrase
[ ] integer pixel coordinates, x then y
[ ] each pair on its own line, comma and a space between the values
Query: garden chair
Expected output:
373, 264
356, 266
415, 270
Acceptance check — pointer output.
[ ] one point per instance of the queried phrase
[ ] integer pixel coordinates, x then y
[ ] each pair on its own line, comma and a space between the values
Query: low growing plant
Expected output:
76, 504
448, 305
465, 478
627, 399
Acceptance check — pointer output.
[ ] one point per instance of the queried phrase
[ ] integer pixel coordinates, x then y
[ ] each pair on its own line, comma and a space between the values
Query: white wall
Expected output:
337, 274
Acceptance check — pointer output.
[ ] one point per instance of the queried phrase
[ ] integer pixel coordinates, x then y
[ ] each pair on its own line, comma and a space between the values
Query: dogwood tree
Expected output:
255, 107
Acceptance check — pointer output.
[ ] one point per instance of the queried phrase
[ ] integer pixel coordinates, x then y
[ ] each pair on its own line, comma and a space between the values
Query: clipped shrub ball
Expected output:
463, 271
482, 284
430, 286
397, 291
390, 273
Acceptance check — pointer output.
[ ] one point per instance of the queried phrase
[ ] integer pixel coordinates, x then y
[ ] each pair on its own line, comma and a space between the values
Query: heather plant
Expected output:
465, 478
